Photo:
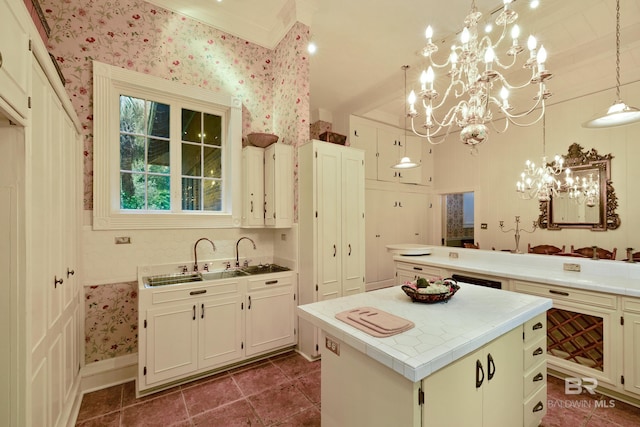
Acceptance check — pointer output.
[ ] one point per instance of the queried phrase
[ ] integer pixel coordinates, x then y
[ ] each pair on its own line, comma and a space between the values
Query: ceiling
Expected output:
362, 44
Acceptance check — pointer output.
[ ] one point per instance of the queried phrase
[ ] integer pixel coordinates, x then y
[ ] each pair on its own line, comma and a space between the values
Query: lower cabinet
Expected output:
188, 330
631, 328
483, 382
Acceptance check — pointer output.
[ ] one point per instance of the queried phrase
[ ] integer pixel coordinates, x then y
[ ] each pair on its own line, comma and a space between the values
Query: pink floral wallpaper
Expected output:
133, 34
111, 321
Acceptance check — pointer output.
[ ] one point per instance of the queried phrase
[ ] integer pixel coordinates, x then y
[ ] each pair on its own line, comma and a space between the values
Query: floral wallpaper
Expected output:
455, 227
111, 321
319, 127
133, 34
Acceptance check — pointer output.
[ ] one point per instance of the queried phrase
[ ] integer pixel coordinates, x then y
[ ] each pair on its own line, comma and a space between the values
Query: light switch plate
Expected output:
569, 266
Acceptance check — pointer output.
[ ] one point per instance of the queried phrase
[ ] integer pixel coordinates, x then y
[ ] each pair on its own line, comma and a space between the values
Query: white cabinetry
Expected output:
270, 313
631, 328
52, 186
392, 146
331, 218
406, 272
15, 57
485, 381
267, 186
190, 330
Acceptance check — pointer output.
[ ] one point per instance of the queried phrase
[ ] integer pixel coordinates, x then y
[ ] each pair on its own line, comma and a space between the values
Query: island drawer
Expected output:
535, 352
535, 328
535, 408
631, 304
559, 293
272, 281
535, 378
420, 270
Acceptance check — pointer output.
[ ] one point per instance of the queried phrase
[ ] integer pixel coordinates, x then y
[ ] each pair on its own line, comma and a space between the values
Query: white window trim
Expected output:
109, 82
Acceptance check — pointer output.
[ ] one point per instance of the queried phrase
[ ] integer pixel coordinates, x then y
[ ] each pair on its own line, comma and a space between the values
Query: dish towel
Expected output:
375, 322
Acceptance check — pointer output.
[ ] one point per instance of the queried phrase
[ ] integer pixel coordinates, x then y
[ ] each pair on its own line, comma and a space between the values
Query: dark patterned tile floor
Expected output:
285, 391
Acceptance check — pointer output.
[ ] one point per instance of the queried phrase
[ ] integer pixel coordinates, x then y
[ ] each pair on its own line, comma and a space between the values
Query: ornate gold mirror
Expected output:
594, 208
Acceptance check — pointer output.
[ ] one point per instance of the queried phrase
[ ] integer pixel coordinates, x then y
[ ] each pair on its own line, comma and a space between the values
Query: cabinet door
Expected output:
631, 351
219, 331
14, 51
329, 217
389, 154
270, 315
365, 137
172, 342
253, 187
414, 152
427, 163
353, 226
278, 184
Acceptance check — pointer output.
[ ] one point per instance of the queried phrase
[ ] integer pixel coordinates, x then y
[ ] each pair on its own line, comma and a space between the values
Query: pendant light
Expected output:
619, 113
405, 161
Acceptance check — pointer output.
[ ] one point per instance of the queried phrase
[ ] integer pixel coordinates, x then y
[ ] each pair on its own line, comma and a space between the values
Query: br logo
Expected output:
574, 385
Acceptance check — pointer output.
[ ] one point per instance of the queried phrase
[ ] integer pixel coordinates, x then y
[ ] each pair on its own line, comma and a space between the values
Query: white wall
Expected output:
494, 171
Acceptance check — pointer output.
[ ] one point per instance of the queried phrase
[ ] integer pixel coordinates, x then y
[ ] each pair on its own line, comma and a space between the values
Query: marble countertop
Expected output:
615, 277
443, 332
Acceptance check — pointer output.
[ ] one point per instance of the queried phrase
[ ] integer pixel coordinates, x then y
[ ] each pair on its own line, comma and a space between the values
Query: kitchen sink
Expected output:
171, 279
264, 269
175, 279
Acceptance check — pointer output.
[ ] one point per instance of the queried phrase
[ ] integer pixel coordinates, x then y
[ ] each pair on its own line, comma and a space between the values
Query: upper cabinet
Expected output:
267, 186
384, 146
15, 59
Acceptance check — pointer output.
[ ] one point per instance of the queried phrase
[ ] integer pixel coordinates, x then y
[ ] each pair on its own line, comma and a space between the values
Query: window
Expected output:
166, 155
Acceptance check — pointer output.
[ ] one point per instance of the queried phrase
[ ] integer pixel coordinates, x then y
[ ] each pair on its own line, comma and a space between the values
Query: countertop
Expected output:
610, 276
443, 332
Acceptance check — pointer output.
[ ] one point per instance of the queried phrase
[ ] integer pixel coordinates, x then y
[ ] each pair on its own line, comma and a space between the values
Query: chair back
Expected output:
544, 249
587, 251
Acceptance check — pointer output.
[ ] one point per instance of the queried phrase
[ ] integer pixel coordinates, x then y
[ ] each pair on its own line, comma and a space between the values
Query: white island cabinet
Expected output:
465, 362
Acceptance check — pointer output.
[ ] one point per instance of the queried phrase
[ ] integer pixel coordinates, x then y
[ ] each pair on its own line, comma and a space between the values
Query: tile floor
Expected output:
285, 391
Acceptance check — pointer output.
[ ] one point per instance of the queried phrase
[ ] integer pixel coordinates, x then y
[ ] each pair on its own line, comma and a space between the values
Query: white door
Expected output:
172, 342
270, 315
389, 145
365, 137
329, 187
353, 227
253, 186
220, 331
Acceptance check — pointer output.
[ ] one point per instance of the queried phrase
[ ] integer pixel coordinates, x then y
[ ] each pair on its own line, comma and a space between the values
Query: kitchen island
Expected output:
463, 360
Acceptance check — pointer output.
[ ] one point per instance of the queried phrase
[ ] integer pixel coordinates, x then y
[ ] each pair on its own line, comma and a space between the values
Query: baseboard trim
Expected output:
109, 372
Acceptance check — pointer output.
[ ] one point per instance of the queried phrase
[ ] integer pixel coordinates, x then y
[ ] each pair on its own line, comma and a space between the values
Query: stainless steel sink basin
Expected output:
171, 279
264, 269
225, 274
175, 279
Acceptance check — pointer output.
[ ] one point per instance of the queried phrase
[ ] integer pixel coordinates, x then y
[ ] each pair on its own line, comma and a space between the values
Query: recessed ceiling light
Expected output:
311, 48
534, 4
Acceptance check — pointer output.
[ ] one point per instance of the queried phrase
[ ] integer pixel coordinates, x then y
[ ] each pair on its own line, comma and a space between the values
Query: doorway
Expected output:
458, 226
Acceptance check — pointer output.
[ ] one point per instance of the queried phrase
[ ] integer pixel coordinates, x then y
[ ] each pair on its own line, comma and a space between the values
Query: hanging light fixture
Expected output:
475, 76
619, 113
541, 182
405, 161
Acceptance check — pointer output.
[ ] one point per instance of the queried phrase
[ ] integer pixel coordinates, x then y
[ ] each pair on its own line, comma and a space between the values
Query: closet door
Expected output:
353, 221
329, 217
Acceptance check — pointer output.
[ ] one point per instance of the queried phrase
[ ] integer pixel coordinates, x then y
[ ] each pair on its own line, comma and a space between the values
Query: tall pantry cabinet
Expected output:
331, 228
40, 215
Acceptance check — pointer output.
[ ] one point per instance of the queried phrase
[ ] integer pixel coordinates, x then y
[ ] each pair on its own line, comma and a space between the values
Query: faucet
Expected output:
195, 254
238, 242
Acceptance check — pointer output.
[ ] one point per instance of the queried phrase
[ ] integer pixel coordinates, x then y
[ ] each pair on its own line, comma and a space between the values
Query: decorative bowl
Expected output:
261, 140
412, 292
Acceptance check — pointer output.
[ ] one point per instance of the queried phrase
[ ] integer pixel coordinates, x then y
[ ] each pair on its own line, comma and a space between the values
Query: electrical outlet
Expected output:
569, 266
332, 346
453, 255
124, 240
283, 237
483, 226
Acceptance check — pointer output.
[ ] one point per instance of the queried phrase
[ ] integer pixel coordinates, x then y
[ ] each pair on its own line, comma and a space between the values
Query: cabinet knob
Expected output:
70, 272
57, 281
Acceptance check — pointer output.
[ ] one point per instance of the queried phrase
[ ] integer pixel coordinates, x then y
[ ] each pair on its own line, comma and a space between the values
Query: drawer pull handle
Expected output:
199, 292
335, 250
538, 377
539, 407
57, 281
538, 351
564, 294
417, 268
270, 282
249, 305
202, 314
194, 312
537, 326
491, 367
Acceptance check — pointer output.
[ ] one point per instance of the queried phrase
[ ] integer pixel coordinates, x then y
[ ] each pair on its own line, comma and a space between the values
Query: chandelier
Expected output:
541, 182
584, 190
475, 75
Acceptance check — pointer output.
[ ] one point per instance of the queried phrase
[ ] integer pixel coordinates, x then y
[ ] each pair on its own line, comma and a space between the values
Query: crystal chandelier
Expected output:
541, 181
475, 75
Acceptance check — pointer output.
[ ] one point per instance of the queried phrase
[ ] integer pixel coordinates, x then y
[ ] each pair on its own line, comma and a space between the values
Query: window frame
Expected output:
109, 83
